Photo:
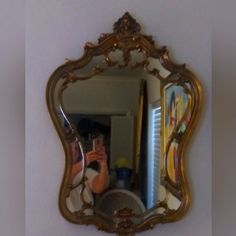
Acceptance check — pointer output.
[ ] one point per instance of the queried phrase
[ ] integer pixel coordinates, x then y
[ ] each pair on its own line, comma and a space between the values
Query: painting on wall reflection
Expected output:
176, 120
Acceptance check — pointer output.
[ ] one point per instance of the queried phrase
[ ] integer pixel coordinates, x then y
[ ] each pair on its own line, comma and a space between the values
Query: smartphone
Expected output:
97, 143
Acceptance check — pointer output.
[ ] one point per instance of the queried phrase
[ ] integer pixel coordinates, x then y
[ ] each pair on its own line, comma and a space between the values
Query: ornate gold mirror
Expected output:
124, 112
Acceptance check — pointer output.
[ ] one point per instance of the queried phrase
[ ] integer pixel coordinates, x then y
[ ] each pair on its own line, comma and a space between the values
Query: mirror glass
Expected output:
117, 161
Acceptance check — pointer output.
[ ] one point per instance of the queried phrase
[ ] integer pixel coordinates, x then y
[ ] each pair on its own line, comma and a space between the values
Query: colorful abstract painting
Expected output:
175, 105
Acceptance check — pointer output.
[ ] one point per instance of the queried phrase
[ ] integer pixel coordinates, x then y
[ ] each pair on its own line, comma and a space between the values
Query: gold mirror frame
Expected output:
126, 37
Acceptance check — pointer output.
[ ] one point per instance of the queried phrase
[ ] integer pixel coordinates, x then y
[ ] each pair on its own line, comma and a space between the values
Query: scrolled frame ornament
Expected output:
126, 37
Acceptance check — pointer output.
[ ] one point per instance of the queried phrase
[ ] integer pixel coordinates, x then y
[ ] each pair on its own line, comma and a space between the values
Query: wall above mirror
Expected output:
124, 112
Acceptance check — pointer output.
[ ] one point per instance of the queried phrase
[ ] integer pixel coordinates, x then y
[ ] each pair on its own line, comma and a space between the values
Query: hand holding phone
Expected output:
98, 153
97, 144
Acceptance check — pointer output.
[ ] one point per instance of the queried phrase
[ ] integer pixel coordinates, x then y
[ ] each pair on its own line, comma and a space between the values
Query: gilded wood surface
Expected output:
126, 37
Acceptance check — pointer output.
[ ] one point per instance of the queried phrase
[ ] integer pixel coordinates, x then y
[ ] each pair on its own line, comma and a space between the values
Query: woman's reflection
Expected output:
95, 181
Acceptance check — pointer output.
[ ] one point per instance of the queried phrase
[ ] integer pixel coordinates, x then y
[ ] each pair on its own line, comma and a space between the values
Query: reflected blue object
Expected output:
123, 173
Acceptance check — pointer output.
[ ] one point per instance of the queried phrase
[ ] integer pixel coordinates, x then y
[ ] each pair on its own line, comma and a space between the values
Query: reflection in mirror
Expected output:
95, 181
118, 120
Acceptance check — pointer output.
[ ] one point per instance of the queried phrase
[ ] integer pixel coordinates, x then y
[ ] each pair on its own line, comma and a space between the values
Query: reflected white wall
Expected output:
103, 95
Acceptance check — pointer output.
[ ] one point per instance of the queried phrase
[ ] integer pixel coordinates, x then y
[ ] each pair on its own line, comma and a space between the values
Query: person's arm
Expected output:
76, 168
101, 180
90, 157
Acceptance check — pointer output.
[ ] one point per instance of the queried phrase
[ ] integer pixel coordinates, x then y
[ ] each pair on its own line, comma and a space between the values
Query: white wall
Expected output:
12, 135
224, 117
57, 29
